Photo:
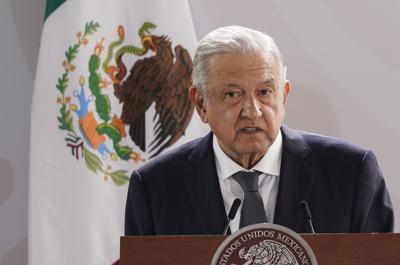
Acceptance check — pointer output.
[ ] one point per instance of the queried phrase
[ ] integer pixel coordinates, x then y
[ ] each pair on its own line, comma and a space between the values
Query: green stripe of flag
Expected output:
51, 6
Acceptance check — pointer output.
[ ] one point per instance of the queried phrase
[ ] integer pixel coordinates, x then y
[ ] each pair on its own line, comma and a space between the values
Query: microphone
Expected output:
235, 206
307, 212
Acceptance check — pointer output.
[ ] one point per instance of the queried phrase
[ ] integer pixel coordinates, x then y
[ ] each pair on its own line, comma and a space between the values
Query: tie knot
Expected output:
247, 180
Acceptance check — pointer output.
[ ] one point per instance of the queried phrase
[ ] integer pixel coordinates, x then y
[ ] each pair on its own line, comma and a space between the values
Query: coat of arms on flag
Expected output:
111, 92
159, 75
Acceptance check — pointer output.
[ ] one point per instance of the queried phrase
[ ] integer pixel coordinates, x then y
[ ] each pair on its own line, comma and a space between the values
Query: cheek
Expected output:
228, 116
223, 120
274, 114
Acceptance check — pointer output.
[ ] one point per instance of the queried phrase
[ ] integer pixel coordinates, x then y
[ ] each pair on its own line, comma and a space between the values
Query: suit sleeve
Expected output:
373, 211
138, 217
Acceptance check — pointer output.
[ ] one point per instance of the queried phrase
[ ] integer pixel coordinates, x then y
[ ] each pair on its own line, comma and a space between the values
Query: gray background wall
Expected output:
342, 58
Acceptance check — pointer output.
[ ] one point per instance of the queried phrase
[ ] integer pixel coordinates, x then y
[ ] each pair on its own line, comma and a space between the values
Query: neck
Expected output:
247, 161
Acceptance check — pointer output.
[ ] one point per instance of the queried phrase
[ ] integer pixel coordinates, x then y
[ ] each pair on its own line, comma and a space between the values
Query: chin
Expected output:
249, 149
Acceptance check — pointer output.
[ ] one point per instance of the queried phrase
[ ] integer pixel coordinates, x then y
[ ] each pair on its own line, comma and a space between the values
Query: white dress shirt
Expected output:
268, 183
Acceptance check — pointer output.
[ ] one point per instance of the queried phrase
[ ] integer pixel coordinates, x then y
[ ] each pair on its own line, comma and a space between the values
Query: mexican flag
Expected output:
110, 93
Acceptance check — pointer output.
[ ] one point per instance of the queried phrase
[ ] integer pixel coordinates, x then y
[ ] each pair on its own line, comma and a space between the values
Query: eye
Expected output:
266, 92
232, 94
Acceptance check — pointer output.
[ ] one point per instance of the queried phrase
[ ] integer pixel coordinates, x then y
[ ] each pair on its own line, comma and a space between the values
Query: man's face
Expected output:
245, 107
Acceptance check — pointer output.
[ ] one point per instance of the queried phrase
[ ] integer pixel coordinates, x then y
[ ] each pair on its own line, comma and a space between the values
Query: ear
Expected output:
286, 91
199, 103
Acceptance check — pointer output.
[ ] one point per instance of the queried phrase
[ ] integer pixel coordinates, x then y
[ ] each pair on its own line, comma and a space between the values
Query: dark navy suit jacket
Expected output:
178, 192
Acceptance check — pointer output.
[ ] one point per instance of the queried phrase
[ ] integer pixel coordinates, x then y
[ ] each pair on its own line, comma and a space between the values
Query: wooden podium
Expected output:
330, 249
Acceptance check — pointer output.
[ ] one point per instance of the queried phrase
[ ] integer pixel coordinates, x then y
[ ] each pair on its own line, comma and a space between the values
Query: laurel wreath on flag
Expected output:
76, 141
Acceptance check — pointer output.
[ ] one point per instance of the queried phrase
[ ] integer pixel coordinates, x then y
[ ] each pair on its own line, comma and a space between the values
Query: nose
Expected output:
251, 108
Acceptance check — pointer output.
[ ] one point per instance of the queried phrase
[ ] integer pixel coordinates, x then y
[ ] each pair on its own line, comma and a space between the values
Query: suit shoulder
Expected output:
171, 159
323, 143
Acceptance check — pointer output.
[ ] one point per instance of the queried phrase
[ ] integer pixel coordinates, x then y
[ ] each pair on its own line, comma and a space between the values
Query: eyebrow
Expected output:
269, 81
232, 85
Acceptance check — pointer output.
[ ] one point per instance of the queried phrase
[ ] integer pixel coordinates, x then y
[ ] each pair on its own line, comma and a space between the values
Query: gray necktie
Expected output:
253, 211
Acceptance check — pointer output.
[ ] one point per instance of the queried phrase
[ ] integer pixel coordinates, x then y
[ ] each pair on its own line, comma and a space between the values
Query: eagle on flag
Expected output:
163, 79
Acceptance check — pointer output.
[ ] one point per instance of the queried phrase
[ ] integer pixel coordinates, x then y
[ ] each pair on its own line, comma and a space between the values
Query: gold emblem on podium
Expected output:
264, 244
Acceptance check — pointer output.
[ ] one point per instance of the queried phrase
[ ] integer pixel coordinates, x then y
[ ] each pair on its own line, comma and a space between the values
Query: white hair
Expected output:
233, 39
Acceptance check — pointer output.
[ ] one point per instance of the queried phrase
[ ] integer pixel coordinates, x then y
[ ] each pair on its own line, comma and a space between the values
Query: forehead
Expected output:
242, 65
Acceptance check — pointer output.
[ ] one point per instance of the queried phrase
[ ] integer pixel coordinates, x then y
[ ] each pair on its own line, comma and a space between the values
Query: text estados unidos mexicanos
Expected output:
268, 234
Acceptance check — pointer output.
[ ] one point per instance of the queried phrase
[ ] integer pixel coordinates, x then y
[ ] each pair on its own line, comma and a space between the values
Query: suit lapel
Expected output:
296, 179
204, 190
295, 184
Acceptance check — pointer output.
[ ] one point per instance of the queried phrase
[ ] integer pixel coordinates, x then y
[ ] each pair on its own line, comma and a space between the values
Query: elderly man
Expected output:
240, 90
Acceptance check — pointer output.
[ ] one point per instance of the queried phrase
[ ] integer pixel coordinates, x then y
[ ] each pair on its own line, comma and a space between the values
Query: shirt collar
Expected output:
269, 164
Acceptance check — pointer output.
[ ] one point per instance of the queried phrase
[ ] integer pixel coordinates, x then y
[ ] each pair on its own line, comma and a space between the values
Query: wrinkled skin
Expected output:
245, 107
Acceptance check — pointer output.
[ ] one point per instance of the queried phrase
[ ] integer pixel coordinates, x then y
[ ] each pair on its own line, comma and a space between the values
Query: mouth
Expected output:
250, 129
